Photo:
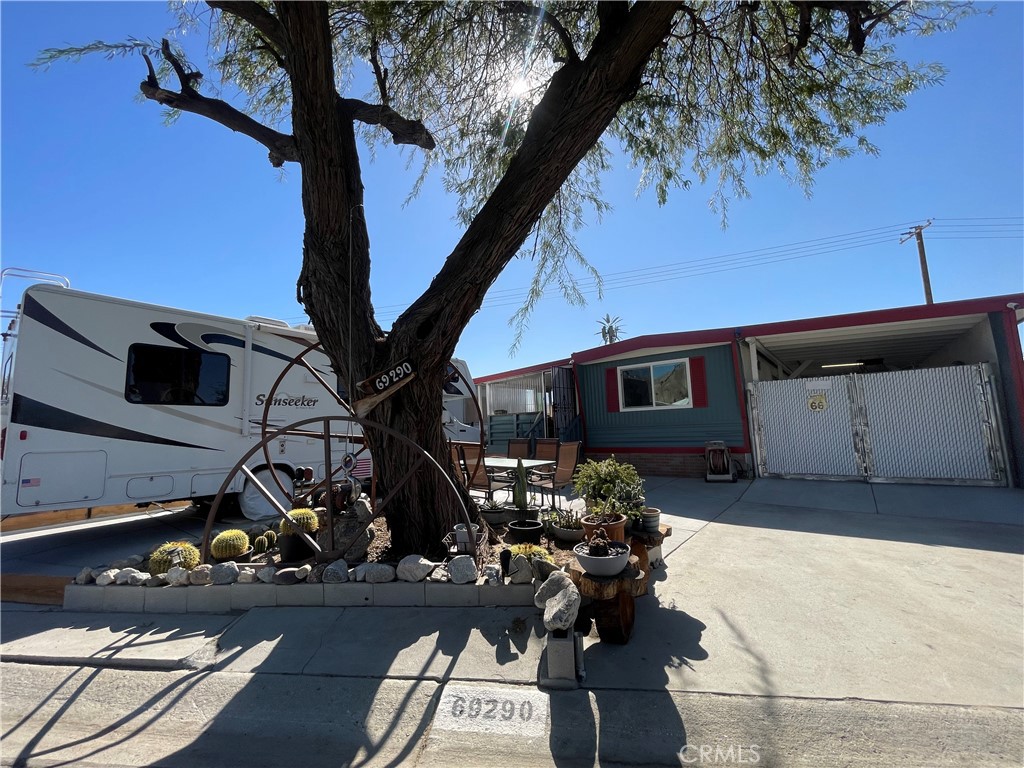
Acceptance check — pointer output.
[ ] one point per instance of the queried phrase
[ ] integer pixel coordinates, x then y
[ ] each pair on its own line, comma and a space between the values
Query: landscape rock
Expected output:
266, 575
124, 574
177, 576
414, 568
246, 574
492, 573
286, 576
303, 571
107, 577
543, 568
353, 533
138, 579
462, 570
440, 575
336, 573
85, 576
555, 583
224, 573
201, 574
98, 570
519, 570
136, 560
562, 608
377, 573
316, 576
159, 580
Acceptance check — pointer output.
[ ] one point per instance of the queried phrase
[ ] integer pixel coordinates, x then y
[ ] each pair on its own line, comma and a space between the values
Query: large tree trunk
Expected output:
582, 100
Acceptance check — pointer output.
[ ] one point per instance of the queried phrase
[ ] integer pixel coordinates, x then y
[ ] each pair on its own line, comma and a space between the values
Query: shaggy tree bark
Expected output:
334, 284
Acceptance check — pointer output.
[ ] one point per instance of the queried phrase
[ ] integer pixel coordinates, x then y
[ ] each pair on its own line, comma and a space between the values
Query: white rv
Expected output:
107, 401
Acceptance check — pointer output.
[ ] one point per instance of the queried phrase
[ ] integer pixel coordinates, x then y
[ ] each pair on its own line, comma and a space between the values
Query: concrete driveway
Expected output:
823, 597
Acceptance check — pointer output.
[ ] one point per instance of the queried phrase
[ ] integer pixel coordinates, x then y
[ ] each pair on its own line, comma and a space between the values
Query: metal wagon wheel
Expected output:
302, 428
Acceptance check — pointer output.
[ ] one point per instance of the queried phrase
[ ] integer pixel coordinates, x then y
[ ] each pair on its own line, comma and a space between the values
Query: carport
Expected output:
924, 394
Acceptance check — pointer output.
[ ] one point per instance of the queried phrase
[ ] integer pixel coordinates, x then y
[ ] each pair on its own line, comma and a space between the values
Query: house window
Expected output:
174, 376
655, 385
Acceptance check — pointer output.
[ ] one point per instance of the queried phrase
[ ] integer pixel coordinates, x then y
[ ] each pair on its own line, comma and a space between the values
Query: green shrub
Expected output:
164, 556
302, 519
228, 544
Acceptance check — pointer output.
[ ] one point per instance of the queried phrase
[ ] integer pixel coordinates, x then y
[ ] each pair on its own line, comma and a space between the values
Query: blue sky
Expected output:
95, 187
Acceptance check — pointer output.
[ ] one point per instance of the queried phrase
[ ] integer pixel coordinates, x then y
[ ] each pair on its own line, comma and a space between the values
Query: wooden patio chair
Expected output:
478, 478
561, 476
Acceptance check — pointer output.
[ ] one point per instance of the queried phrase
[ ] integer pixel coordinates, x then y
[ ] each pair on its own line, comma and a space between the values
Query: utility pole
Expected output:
916, 232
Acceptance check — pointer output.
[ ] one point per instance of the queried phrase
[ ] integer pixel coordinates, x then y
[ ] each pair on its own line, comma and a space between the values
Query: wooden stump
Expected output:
614, 607
614, 618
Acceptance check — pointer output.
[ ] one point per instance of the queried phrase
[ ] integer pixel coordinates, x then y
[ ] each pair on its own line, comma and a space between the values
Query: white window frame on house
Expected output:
650, 368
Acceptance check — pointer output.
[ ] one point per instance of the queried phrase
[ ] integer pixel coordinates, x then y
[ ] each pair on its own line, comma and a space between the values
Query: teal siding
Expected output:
668, 427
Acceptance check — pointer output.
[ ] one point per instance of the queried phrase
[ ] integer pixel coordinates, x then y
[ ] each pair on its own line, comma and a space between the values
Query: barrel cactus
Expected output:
260, 546
229, 544
271, 537
180, 553
302, 519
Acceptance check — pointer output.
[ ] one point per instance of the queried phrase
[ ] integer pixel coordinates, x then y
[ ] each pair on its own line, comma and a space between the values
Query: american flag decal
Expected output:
30, 482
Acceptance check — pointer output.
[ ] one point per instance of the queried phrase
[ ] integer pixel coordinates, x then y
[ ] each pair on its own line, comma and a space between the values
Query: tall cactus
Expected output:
519, 489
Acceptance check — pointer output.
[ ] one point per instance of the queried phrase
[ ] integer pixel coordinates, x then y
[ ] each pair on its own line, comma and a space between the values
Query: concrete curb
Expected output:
227, 598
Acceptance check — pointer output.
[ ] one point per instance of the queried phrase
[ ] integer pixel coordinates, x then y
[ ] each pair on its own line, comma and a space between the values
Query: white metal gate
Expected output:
939, 425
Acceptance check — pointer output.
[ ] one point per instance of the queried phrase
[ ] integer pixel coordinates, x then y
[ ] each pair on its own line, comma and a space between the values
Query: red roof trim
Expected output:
521, 371
873, 317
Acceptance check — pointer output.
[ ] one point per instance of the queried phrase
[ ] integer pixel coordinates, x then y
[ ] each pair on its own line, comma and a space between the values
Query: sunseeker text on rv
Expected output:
285, 400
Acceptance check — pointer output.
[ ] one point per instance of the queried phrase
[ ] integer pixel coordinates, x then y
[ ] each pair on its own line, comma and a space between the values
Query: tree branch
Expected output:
402, 130
281, 146
548, 19
263, 20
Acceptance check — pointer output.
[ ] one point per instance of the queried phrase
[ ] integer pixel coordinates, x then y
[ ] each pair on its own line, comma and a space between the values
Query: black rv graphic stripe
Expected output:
231, 341
32, 413
41, 314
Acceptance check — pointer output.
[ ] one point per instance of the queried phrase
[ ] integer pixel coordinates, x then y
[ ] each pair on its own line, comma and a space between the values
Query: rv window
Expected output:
175, 376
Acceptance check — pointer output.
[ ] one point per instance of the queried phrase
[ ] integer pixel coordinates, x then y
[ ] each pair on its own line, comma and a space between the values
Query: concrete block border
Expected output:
230, 598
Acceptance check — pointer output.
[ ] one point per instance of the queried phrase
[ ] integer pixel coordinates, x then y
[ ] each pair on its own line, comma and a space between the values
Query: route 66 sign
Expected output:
817, 402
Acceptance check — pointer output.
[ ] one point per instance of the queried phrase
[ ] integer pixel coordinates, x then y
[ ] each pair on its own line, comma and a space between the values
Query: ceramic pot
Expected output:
616, 529
603, 566
651, 519
571, 535
245, 557
294, 548
526, 531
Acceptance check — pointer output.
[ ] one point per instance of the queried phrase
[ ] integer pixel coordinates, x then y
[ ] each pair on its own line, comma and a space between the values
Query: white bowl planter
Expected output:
611, 565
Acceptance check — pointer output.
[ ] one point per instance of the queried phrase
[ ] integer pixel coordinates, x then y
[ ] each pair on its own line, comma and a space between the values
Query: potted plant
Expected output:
565, 525
493, 513
600, 556
293, 547
614, 494
524, 510
233, 545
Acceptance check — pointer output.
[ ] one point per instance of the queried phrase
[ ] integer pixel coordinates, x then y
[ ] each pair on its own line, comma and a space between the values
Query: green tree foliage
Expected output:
520, 106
